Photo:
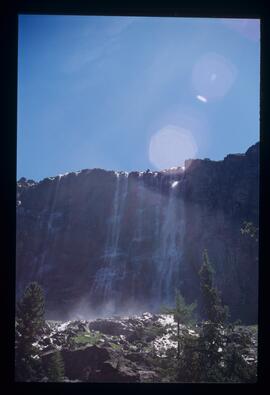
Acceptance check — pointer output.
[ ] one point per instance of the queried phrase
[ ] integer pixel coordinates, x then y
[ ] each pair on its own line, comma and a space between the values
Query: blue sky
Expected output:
131, 93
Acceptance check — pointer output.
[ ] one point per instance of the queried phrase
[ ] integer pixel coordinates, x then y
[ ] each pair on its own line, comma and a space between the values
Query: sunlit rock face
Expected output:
102, 242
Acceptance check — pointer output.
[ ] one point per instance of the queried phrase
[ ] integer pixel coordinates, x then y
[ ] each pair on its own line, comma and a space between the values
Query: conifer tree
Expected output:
216, 314
216, 355
182, 314
29, 323
213, 309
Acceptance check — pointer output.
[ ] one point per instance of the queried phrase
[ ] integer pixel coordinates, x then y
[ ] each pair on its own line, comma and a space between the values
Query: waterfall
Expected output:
44, 262
136, 253
106, 276
139, 211
157, 230
169, 245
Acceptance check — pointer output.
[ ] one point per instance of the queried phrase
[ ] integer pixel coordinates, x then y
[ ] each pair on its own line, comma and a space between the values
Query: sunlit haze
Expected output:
170, 147
132, 93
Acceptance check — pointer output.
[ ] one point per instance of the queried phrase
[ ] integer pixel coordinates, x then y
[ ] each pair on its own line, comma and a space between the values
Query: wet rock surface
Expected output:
111, 354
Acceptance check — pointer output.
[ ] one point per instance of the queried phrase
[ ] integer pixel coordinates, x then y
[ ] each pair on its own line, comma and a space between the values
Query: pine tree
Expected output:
216, 355
182, 314
55, 369
213, 310
200, 359
29, 323
210, 341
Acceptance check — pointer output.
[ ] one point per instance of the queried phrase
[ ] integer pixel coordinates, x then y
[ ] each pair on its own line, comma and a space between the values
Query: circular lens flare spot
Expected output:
213, 76
171, 146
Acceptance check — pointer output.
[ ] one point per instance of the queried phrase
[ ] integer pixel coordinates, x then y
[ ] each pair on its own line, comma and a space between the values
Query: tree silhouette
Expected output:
212, 306
28, 326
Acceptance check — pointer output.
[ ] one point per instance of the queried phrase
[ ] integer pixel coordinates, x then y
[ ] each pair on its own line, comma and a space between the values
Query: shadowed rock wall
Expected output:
117, 242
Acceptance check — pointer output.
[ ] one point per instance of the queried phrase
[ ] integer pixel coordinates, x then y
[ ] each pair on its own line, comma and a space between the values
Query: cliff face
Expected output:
115, 242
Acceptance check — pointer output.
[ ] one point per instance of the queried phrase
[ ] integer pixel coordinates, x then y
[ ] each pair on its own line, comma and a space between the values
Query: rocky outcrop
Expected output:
110, 354
95, 364
103, 242
130, 354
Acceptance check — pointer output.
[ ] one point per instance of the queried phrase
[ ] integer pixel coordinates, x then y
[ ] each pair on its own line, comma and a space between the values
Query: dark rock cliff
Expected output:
106, 241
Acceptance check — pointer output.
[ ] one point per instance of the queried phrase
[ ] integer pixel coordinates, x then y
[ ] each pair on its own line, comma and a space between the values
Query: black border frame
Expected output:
191, 8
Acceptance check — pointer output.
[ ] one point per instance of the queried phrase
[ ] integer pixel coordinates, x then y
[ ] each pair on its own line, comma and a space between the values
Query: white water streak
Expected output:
169, 245
106, 275
140, 210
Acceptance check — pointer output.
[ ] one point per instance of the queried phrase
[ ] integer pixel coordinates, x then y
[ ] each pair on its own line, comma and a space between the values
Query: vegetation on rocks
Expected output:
169, 347
87, 338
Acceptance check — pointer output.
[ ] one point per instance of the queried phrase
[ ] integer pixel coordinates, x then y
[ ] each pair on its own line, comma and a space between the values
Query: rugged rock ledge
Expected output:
102, 241
119, 349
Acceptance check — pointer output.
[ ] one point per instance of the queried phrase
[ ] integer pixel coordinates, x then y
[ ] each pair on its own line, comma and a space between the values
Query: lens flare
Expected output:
171, 146
201, 98
213, 77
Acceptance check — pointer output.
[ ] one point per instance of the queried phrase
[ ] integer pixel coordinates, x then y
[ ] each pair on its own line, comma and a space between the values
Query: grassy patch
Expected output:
87, 338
